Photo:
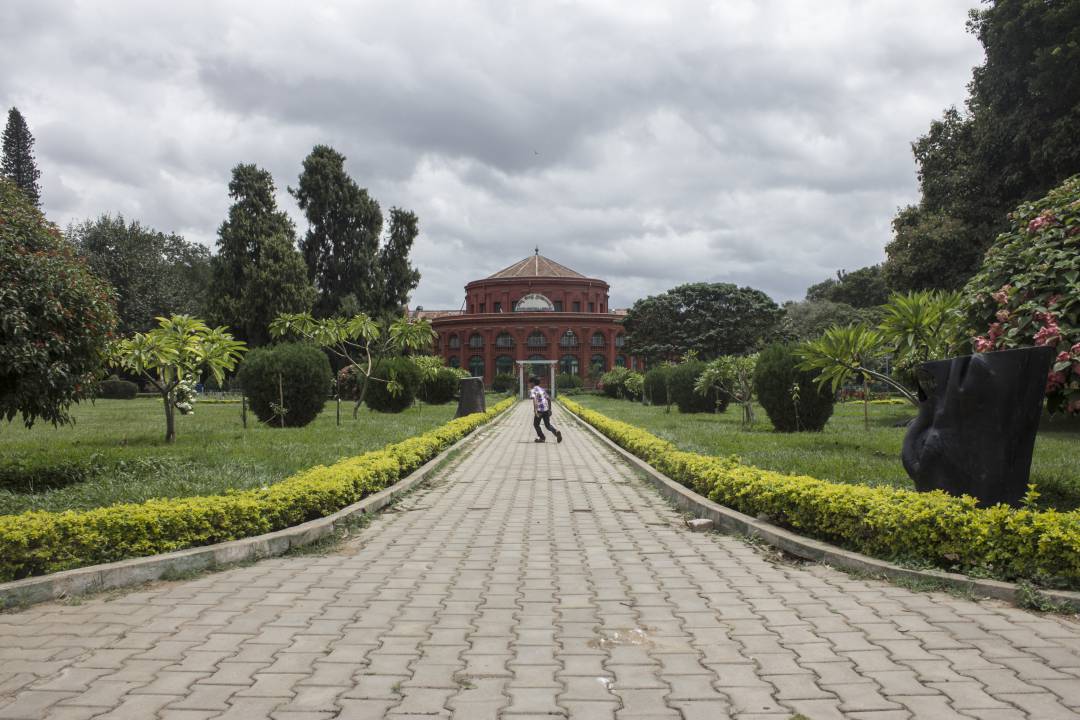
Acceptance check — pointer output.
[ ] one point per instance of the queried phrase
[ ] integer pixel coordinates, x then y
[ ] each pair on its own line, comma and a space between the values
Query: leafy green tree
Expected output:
18, 164
398, 277
153, 273
711, 319
258, 272
730, 376
808, 319
173, 356
862, 288
1015, 140
342, 242
55, 316
917, 327
352, 272
359, 341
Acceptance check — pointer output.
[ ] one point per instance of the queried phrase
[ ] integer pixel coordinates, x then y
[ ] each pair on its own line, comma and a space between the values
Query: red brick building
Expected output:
535, 309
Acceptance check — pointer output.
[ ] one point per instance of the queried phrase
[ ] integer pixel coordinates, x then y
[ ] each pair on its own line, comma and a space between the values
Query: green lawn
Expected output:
115, 452
844, 451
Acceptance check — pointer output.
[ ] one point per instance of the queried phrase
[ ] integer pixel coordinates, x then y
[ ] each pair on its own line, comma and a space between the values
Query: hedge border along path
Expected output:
929, 526
187, 534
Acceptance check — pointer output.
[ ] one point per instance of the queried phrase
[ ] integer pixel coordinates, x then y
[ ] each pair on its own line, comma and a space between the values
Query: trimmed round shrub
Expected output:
681, 381
305, 382
656, 385
403, 371
440, 389
116, 389
775, 378
504, 383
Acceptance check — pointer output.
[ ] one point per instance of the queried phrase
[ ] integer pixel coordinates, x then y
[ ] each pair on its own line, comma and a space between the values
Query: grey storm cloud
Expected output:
760, 142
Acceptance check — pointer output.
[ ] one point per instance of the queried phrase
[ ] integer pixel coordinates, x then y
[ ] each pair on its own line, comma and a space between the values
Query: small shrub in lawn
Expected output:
656, 385
305, 379
790, 408
504, 383
681, 381
116, 389
440, 388
568, 381
400, 370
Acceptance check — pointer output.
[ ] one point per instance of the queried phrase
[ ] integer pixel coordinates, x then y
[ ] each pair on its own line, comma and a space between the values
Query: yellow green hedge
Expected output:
35, 543
926, 528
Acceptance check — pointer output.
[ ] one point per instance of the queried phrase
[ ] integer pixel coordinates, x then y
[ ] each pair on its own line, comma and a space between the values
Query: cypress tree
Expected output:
18, 162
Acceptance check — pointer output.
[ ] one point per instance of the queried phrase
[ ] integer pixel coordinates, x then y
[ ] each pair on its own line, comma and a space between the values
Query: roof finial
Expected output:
537, 249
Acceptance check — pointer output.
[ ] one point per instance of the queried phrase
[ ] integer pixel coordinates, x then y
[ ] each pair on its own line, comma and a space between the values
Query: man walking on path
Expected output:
541, 410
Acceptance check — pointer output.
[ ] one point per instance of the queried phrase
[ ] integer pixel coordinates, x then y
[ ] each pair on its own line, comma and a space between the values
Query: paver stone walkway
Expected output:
535, 581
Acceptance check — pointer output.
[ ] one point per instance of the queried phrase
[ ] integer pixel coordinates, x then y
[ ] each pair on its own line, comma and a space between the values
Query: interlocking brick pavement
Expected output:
535, 581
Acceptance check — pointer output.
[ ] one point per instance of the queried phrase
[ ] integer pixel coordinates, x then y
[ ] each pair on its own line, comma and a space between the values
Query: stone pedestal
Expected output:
472, 397
975, 431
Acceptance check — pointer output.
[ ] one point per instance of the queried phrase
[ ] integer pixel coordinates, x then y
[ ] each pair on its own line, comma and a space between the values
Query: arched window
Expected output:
537, 339
454, 342
504, 340
568, 339
598, 340
504, 365
569, 364
534, 302
598, 362
453, 361
476, 341
476, 366
620, 341
620, 361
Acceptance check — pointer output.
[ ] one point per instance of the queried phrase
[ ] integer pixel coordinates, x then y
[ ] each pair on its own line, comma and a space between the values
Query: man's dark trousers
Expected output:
546, 417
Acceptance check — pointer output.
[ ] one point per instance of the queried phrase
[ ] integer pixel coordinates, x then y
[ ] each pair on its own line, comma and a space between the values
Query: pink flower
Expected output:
1049, 335
1075, 349
1044, 220
1054, 381
1062, 356
995, 331
983, 344
1053, 300
1002, 295
1003, 315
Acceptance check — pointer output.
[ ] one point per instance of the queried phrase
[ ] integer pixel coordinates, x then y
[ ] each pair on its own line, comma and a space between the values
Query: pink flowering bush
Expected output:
1027, 292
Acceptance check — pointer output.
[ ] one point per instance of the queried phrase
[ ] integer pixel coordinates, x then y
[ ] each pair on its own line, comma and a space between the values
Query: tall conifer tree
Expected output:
258, 272
18, 162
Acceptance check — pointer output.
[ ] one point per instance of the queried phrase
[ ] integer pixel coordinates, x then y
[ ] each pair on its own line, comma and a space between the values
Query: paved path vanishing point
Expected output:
535, 581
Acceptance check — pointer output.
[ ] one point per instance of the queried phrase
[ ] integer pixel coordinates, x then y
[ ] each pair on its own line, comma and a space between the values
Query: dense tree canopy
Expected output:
257, 272
712, 319
55, 316
860, 288
352, 273
808, 319
1016, 140
18, 163
153, 273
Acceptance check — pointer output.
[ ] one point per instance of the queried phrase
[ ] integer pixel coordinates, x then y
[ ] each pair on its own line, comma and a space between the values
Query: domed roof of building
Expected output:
536, 266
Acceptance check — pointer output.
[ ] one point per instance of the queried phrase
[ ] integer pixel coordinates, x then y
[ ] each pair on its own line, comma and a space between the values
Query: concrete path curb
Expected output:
732, 521
136, 571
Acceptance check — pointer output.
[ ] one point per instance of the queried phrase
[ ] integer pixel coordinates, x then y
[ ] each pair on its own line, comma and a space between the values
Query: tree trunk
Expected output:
866, 401
170, 417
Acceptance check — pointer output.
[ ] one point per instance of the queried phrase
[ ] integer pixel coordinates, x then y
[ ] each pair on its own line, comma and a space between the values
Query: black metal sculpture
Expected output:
975, 431
472, 397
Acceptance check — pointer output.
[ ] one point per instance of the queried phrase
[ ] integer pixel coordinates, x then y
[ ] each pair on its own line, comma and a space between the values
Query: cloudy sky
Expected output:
751, 141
